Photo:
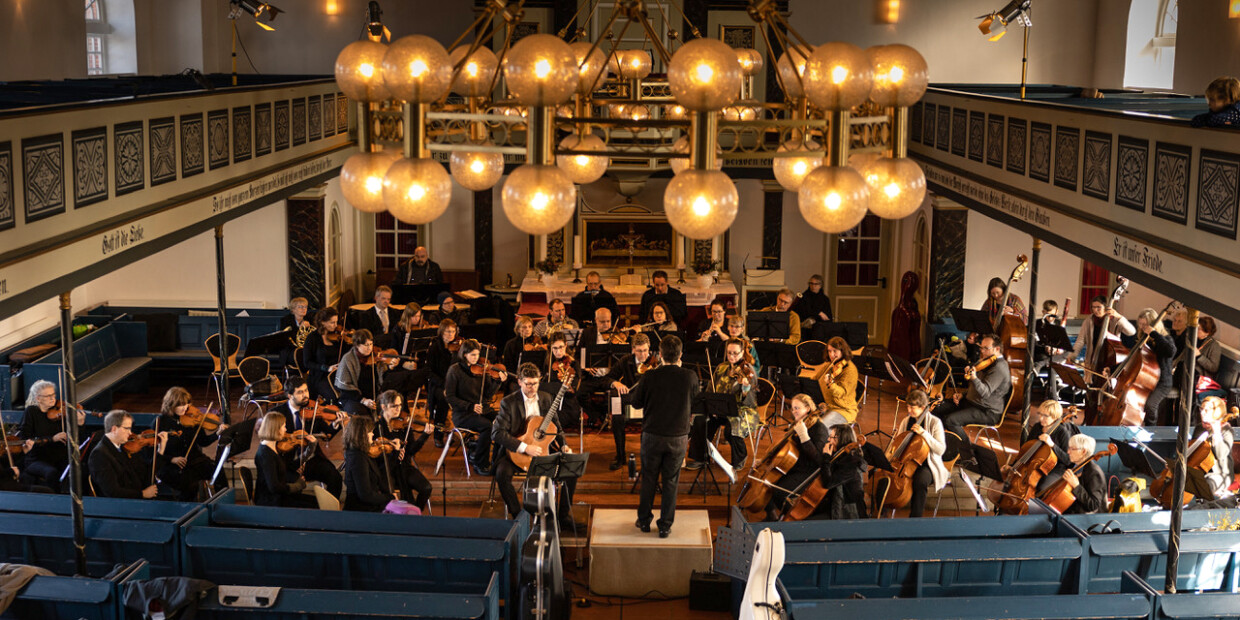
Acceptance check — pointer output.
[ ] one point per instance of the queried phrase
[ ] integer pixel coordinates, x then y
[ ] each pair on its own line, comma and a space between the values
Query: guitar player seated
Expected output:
520, 413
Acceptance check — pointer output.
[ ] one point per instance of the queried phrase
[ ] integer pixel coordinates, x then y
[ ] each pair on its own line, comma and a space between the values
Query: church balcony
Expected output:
1124, 182
95, 174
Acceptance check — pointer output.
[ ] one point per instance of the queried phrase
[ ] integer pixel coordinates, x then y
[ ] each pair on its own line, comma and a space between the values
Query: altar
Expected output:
535, 294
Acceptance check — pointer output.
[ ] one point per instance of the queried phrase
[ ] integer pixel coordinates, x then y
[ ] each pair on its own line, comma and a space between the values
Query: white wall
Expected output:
992, 251
1207, 46
42, 39
452, 235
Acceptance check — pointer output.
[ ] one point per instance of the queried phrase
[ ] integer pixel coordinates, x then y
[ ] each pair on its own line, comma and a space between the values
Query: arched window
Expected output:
111, 44
335, 268
1149, 59
921, 251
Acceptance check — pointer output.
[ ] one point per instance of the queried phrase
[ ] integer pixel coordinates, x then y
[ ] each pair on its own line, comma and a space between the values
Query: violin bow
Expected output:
4, 433
155, 451
413, 405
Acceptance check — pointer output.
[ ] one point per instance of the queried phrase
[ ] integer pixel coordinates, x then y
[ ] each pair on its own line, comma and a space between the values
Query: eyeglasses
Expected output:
127, 428
47, 396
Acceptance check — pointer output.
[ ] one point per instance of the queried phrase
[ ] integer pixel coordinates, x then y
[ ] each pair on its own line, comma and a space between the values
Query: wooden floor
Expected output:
457, 494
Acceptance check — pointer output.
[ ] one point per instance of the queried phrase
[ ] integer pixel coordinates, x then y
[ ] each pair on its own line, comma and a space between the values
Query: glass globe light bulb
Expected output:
897, 187
704, 75
838, 76
475, 76
541, 70
539, 200
417, 69
833, 199
680, 164
589, 66
791, 171
676, 112
417, 191
750, 60
701, 204
632, 64
361, 179
791, 64
637, 112
359, 71
900, 75
583, 169
476, 171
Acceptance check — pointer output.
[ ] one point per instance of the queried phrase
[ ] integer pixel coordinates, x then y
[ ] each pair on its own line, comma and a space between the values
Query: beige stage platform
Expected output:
625, 561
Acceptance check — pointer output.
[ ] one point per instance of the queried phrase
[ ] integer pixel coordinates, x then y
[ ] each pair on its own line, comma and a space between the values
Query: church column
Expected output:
947, 257
484, 251
68, 394
307, 261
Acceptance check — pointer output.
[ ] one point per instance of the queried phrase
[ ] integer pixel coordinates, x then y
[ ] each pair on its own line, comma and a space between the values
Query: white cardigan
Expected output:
932, 432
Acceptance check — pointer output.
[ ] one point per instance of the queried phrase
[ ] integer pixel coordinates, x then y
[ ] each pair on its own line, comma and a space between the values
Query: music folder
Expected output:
974, 321
559, 467
768, 325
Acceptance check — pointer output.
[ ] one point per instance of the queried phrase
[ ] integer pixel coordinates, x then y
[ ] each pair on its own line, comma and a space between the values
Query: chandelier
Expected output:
568, 110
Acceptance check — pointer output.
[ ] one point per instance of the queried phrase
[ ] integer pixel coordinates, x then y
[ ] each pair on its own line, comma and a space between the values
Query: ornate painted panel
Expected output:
928, 125
959, 122
8, 206
944, 129
298, 121
217, 139
90, 166
192, 143
994, 141
1096, 166
1017, 145
1172, 171
1040, 151
1218, 183
243, 133
314, 117
283, 125
1067, 156
128, 153
43, 169
262, 129
1132, 163
977, 136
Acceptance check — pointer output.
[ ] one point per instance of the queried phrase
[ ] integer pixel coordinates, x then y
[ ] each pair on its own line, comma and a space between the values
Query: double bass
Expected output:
1103, 355
1014, 336
1129, 385
1200, 457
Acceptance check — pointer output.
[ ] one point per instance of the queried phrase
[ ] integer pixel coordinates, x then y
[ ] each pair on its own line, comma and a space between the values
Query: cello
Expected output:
1200, 457
1014, 336
1131, 382
907, 451
1060, 495
778, 460
1036, 460
816, 492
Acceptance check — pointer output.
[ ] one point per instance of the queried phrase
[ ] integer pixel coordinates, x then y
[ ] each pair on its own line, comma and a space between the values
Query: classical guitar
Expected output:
540, 431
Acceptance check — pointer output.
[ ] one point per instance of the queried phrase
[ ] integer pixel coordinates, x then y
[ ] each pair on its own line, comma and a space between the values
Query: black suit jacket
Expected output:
114, 472
369, 320
367, 484
510, 423
584, 304
1091, 493
674, 299
666, 395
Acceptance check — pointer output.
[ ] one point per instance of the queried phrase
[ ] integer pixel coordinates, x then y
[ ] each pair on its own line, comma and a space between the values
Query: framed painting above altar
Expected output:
614, 242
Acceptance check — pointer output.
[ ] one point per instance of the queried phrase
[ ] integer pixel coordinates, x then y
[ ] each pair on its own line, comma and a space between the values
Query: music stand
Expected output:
605, 355
875, 457
984, 462
1053, 336
767, 325
973, 321
1135, 460
712, 405
876, 363
561, 468
423, 294
270, 344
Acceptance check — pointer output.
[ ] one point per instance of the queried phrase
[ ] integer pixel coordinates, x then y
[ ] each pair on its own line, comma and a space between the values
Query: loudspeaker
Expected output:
710, 591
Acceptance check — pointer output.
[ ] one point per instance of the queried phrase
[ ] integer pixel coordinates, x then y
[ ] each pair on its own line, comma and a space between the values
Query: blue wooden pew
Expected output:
110, 358
1007, 526
1207, 559
104, 507
931, 568
1156, 521
74, 597
1135, 603
300, 604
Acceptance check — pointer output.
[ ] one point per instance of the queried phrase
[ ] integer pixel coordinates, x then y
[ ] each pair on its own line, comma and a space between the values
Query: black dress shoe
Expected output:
665, 533
645, 527
614, 465
438, 440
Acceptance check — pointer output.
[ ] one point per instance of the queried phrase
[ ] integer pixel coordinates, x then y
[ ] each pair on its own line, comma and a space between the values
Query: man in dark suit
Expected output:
665, 394
660, 291
587, 303
381, 320
114, 472
420, 269
514, 412
310, 461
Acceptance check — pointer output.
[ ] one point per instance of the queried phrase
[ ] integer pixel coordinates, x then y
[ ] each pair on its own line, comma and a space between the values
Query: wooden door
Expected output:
859, 276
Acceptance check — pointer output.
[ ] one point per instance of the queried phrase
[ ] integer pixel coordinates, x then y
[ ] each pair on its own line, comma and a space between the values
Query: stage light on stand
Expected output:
260, 11
995, 25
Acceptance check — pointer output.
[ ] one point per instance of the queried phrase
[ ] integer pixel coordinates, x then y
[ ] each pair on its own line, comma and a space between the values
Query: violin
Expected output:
337, 336
812, 496
319, 410
972, 371
145, 439
455, 344
58, 410
295, 439
563, 369
1059, 495
489, 370
14, 444
391, 357
195, 417
380, 447
534, 343
403, 421
617, 335
651, 363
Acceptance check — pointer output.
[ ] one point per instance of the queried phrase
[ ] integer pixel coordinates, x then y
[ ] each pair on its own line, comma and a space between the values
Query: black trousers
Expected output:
661, 458
922, 479
703, 430
320, 469
43, 473
504, 471
187, 480
956, 415
1157, 396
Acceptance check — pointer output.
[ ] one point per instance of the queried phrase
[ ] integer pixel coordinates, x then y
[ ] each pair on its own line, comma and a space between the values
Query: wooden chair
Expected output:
462, 435
229, 351
261, 387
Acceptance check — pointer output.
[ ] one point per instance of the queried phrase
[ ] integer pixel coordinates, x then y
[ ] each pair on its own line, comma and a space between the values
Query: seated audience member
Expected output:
1222, 95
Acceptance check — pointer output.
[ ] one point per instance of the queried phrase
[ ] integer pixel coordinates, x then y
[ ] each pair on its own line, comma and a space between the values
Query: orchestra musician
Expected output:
1209, 354
736, 330
47, 456
309, 461
1044, 355
411, 320
1050, 412
842, 473
994, 296
276, 483
321, 354
1214, 421
840, 395
659, 290
622, 377
783, 303
439, 359
732, 376
714, 327
368, 485
449, 310
409, 479
562, 368
380, 320
1091, 335
420, 269
515, 348
658, 322
811, 441
989, 384
813, 305
511, 423
926, 425
1163, 346
1091, 484
354, 382
588, 302
665, 395
298, 324
557, 318
599, 332
469, 396
184, 466
114, 472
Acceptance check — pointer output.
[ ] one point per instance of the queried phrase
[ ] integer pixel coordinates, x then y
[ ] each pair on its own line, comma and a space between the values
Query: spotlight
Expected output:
375, 30
258, 10
995, 25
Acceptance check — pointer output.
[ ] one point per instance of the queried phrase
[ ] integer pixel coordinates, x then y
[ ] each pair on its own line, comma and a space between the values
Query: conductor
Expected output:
665, 393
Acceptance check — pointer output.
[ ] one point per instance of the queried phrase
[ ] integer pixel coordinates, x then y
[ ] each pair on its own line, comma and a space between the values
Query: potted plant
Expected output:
547, 270
707, 270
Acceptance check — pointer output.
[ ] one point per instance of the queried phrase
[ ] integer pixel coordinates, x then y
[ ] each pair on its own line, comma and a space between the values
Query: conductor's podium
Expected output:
625, 561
